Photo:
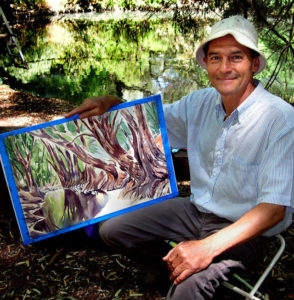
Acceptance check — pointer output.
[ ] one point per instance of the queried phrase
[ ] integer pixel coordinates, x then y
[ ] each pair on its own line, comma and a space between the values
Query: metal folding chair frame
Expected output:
253, 293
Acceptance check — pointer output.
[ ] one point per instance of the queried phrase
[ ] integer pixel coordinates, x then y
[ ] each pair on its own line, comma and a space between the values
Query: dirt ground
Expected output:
72, 266
20, 109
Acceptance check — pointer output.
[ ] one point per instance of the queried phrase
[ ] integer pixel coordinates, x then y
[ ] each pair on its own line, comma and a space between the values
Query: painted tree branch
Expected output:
80, 152
140, 169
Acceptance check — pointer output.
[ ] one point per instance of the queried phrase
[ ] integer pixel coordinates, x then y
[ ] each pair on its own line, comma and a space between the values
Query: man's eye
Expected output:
236, 58
214, 58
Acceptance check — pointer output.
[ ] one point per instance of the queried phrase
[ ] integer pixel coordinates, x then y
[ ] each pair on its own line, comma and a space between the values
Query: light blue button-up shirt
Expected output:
238, 162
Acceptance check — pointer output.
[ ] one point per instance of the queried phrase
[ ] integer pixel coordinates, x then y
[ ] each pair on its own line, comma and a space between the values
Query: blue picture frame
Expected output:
41, 196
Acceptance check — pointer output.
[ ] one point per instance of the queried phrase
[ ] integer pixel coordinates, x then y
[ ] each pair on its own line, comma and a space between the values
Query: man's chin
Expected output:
225, 91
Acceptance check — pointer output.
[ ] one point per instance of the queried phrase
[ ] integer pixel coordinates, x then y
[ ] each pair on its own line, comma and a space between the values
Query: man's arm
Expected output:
94, 106
193, 256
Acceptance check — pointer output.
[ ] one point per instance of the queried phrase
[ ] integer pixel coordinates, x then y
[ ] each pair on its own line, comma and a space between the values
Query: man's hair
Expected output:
253, 53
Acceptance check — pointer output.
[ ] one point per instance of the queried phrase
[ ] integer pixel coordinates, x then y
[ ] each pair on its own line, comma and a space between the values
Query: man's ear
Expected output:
205, 60
255, 64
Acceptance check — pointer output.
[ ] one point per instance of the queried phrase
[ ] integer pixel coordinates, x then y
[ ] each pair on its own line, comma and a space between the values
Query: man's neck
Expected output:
231, 102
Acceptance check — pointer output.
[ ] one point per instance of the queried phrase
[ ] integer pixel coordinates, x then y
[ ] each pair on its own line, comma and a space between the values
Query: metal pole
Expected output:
13, 37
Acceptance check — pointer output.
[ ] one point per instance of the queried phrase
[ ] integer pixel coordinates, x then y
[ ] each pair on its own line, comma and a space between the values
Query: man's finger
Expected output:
71, 113
167, 257
77, 110
182, 276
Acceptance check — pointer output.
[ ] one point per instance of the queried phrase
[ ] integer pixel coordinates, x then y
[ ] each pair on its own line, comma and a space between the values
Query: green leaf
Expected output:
71, 128
51, 132
60, 128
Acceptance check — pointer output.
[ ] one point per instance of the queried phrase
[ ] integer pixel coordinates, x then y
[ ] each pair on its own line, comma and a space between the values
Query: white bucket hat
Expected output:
243, 32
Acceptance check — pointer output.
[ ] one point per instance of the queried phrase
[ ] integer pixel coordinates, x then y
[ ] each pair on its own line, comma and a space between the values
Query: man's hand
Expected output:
188, 258
94, 106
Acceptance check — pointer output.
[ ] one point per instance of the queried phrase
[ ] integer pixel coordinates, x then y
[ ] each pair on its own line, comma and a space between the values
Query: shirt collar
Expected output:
220, 112
249, 102
246, 105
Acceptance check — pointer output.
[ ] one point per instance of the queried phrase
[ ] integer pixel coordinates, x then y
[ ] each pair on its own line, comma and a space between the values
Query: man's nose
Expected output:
225, 65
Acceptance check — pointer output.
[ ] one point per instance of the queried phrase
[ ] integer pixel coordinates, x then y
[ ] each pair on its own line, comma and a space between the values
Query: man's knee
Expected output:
108, 231
118, 232
195, 287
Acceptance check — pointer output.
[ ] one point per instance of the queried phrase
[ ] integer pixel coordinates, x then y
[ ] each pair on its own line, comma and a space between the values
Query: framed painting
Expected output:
70, 173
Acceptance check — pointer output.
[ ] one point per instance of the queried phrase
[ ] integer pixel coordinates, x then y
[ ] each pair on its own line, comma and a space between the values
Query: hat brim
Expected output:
243, 40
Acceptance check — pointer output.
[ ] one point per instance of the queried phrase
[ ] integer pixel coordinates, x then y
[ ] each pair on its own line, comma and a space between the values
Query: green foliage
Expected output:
122, 139
99, 58
123, 136
51, 132
152, 118
81, 165
92, 145
39, 165
26, 4
71, 128
122, 4
129, 57
60, 128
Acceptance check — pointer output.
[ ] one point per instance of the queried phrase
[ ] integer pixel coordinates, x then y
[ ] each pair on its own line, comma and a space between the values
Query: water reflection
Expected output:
80, 56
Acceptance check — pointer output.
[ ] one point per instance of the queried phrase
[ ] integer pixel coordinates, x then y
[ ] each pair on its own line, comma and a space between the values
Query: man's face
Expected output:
230, 67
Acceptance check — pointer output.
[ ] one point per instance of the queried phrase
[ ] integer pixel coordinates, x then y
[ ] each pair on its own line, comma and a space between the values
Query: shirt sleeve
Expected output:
275, 178
176, 123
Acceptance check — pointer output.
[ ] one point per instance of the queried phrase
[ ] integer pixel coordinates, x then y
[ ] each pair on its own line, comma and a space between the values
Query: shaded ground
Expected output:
72, 266
69, 267
20, 109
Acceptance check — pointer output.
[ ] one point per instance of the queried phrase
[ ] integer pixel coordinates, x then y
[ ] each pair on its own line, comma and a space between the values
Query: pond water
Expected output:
129, 55
132, 55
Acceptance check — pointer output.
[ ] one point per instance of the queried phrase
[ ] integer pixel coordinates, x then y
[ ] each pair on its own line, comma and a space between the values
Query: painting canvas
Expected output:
71, 173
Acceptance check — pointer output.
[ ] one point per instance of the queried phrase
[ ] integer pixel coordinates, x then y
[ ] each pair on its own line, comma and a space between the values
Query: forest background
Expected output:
274, 20
74, 267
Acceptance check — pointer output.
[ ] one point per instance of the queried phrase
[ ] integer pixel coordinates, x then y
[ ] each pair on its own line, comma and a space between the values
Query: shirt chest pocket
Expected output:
243, 183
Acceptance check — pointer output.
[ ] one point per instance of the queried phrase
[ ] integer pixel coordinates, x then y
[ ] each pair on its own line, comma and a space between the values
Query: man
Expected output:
240, 142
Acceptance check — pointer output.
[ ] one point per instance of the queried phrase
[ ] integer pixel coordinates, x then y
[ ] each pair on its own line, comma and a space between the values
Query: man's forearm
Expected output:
250, 225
